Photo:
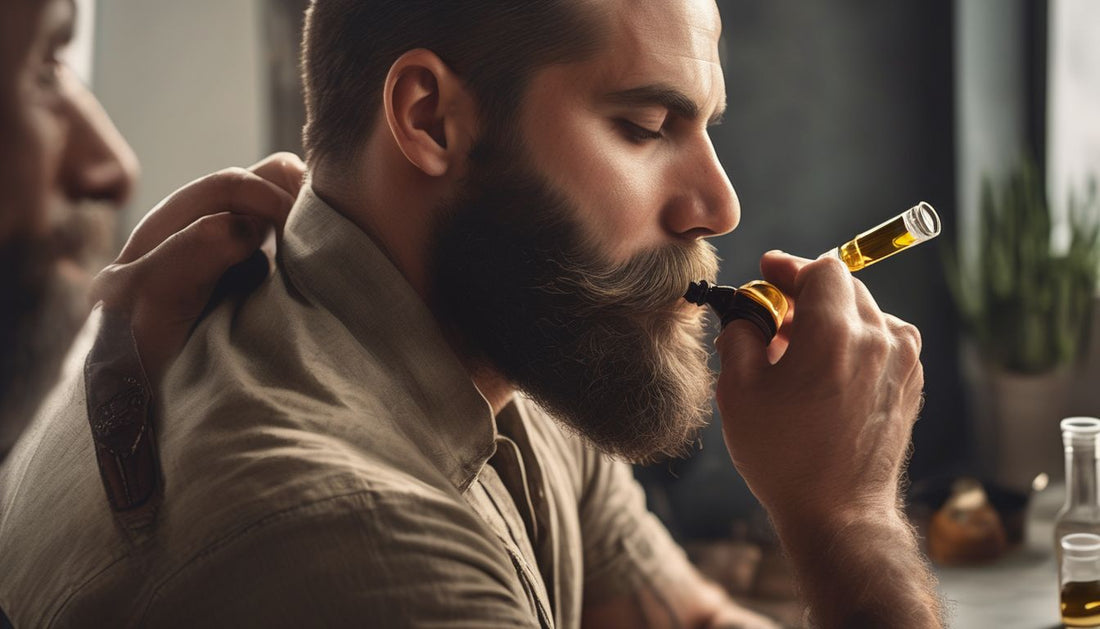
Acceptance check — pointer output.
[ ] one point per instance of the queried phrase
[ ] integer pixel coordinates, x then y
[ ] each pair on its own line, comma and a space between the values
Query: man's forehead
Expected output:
689, 28
664, 42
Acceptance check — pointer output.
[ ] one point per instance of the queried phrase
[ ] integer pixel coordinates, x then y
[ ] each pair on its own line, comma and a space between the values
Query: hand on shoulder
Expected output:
174, 259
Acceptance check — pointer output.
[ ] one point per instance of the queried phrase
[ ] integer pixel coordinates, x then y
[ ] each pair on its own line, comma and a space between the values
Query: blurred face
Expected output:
563, 261
61, 163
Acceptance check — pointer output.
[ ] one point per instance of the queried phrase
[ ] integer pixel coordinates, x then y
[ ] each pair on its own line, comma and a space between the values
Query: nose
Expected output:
97, 163
706, 204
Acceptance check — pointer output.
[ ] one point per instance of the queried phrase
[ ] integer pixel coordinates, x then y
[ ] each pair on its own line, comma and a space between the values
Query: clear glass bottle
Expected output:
1081, 511
1079, 586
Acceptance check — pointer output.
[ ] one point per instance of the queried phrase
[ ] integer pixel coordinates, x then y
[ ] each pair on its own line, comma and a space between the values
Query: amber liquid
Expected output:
1081, 604
876, 244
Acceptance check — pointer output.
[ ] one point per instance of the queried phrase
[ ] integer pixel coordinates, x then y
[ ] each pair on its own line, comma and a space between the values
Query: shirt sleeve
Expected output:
625, 545
119, 403
362, 559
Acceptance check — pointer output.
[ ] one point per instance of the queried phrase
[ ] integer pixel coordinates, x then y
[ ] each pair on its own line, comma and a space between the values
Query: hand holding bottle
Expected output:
819, 429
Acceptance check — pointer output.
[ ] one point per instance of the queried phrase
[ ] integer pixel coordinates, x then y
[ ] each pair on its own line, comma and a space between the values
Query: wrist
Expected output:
862, 567
827, 518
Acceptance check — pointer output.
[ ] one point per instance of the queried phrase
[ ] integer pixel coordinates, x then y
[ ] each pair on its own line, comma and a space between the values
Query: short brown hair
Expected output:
494, 45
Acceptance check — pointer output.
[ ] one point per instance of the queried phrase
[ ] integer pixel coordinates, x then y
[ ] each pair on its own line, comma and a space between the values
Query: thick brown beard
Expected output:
39, 323
611, 350
43, 309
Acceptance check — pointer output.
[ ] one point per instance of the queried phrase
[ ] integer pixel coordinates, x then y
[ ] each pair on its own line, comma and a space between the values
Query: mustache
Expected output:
85, 233
652, 281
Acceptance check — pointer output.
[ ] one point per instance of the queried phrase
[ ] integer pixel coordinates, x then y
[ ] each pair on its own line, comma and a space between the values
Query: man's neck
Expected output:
370, 216
399, 228
493, 387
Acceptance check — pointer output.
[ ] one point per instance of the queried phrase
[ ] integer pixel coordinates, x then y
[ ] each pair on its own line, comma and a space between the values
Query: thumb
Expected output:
743, 349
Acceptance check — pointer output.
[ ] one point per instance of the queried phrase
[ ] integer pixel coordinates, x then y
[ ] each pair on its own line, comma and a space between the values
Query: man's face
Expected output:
563, 260
60, 155
624, 134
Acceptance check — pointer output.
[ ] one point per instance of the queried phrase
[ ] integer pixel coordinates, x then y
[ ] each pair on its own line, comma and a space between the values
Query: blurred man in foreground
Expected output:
477, 306
64, 170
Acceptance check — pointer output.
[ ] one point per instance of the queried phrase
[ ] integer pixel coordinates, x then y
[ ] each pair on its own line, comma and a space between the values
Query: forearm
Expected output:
678, 598
867, 571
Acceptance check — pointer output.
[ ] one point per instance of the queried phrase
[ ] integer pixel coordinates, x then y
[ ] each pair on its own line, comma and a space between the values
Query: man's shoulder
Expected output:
389, 553
275, 391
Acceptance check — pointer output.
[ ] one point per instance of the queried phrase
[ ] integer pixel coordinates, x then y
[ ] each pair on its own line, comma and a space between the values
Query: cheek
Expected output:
30, 169
615, 186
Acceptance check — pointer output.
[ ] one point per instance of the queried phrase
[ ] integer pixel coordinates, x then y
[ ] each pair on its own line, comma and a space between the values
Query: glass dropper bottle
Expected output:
764, 305
918, 224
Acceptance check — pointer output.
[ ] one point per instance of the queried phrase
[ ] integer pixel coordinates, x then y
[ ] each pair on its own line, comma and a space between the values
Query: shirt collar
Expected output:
336, 265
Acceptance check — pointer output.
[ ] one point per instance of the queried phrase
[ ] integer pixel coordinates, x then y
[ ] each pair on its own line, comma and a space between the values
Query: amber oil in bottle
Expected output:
765, 306
913, 226
1081, 511
1080, 580
758, 302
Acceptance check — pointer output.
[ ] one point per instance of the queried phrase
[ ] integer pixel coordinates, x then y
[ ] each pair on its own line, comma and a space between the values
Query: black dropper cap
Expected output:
730, 303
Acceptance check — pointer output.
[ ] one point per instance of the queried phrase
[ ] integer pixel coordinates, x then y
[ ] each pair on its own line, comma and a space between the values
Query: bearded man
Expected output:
421, 418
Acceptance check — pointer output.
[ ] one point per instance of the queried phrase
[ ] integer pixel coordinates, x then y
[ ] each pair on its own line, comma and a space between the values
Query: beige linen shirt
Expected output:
327, 462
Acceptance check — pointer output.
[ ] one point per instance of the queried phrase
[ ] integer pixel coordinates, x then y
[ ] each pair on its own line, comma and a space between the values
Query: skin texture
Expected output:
818, 423
64, 169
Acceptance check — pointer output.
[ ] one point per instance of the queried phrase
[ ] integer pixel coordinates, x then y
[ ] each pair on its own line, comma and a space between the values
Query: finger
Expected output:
225, 240
778, 347
907, 341
284, 169
230, 190
742, 349
781, 269
825, 296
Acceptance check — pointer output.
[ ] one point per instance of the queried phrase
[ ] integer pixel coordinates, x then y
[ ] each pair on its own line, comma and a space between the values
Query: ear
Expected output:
429, 112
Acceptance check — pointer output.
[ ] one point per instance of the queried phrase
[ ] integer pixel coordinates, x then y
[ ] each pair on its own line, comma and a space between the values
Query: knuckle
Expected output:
288, 161
831, 266
211, 228
826, 271
235, 173
877, 343
913, 336
229, 180
908, 337
116, 284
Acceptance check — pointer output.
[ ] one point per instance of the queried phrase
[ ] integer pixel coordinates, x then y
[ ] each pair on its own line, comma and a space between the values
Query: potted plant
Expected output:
1025, 302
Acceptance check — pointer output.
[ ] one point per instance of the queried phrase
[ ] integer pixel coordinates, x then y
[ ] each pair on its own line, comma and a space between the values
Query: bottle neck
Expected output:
1081, 488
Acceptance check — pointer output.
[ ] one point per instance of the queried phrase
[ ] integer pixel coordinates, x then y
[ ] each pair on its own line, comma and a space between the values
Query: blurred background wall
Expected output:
185, 82
841, 114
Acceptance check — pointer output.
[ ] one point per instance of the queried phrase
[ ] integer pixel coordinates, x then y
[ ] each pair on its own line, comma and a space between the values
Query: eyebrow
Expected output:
672, 99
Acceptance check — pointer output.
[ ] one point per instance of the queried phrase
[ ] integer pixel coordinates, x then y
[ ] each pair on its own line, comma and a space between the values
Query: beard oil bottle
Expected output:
1081, 511
1080, 580
1077, 525
758, 302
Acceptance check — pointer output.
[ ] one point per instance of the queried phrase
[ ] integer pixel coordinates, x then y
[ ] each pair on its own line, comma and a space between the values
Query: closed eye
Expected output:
637, 133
